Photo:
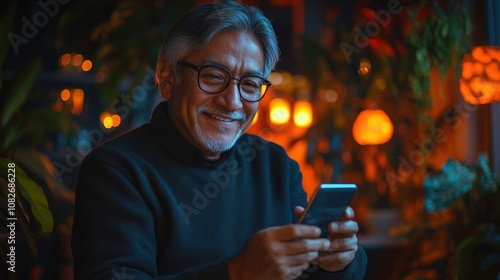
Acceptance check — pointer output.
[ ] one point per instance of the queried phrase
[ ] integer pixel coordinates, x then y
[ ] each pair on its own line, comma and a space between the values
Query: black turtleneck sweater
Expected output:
150, 206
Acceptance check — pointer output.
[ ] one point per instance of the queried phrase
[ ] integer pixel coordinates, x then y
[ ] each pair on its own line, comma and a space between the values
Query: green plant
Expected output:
439, 40
459, 235
23, 167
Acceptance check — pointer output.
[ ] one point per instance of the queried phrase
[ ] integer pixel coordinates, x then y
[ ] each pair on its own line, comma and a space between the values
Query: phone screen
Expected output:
327, 205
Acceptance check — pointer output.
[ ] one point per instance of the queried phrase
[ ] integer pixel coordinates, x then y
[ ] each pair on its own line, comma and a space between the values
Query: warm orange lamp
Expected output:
480, 81
302, 113
279, 111
372, 127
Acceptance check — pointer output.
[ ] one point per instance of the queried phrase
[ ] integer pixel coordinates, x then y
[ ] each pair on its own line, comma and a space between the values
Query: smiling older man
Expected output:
190, 195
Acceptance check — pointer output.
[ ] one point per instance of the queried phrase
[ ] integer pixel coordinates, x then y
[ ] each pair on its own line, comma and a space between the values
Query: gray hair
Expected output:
202, 23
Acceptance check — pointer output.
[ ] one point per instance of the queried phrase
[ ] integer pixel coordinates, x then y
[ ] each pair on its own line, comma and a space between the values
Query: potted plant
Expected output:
459, 234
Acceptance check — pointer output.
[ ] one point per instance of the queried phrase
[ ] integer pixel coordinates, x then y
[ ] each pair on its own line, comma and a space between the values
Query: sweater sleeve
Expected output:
114, 230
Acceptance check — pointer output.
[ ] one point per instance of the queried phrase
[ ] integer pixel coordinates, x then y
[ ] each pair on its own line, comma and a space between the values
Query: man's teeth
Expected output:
221, 119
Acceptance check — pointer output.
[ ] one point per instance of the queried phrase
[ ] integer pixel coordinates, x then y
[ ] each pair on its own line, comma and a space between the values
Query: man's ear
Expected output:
165, 78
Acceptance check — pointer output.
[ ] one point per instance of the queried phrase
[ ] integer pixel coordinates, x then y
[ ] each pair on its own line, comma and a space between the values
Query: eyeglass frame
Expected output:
200, 68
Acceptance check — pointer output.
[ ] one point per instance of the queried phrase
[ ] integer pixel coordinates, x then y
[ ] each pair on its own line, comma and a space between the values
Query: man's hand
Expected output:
343, 242
278, 253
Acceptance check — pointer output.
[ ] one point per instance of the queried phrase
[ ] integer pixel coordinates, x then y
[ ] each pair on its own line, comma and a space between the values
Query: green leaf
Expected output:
25, 227
37, 200
19, 90
33, 194
40, 166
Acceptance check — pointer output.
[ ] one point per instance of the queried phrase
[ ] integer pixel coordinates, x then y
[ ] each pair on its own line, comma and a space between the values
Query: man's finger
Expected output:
346, 227
294, 231
307, 245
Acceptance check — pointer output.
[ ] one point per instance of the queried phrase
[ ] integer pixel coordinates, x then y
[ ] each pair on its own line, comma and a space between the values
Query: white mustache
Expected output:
238, 116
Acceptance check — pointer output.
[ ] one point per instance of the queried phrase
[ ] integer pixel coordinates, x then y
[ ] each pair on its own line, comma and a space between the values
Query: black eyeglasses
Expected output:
215, 79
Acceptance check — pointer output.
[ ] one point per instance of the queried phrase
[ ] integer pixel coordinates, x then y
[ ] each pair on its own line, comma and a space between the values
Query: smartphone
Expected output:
327, 204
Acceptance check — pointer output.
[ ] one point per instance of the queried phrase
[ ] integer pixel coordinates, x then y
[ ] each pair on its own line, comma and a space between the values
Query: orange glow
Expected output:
302, 114
65, 59
78, 96
116, 120
480, 81
478, 68
479, 54
65, 94
279, 111
87, 65
110, 120
365, 67
103, 116
467, 70
372, 127
493, 71
77, 59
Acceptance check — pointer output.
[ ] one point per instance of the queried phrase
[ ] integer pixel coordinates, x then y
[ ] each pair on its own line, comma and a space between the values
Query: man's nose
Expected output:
231, 97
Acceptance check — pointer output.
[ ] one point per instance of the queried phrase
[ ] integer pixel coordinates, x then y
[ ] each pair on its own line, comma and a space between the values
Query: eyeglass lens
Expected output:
214, 79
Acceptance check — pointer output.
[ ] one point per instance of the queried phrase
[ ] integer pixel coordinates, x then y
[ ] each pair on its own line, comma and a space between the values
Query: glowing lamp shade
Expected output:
302, 113
279, 111
372, 127
480, 81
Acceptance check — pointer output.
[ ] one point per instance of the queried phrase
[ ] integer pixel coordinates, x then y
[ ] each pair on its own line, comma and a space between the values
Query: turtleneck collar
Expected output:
175, 142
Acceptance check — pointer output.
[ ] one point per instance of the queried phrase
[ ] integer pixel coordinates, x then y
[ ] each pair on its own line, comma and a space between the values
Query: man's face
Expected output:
213, 122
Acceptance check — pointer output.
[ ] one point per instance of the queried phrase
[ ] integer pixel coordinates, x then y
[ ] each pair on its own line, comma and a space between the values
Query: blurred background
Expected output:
400, 97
